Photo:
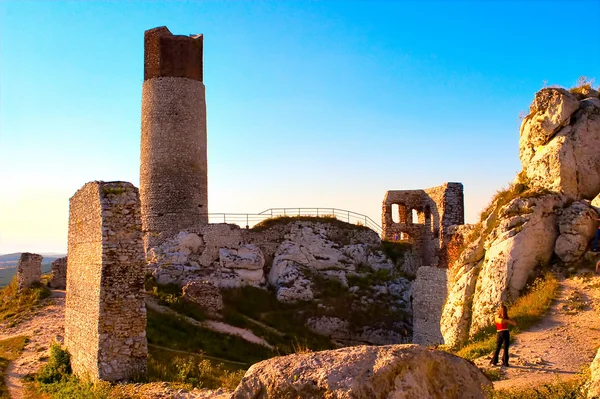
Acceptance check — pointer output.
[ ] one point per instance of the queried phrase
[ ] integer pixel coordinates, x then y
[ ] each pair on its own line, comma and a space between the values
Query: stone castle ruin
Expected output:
59, 274
29, 270
113, 232
173, 167
436, 209
105, 315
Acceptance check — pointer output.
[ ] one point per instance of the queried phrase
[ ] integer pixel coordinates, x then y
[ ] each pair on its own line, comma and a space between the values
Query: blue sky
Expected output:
313, 103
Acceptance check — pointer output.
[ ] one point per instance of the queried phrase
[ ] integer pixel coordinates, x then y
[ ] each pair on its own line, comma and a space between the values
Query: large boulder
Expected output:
577, 227
246, 263
594, 385
393, 371
523, 239
559, 144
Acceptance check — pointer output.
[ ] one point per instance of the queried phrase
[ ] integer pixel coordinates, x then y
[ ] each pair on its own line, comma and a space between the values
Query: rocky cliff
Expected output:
546, 215
356, 288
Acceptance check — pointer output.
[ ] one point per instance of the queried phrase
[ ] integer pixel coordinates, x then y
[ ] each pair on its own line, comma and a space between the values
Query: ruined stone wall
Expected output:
29, 270
173, 167
436, 208
429, 295
105, 315
59, 274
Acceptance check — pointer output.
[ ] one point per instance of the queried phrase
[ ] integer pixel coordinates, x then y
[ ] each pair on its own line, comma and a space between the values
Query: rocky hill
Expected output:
345, 283
546, 216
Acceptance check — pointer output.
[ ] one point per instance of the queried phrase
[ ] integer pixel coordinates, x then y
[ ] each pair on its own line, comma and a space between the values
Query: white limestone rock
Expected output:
559, 144
392, 371
247, 256
513, 250
594, 383
576, 228
456, 314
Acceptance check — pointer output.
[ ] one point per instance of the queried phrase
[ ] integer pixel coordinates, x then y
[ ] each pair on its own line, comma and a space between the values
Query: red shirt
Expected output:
503, 325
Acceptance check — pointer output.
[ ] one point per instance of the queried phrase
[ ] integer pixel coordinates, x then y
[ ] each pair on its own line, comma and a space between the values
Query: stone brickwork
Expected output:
173, 167
429, 295
105, 315
29, 270
59, 274
437, 209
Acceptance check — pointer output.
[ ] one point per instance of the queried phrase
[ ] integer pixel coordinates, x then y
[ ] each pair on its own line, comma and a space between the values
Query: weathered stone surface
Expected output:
105, 314
513, 249
550, 110
559, 144
456, 313
393, 371
247, 257
437, 209
576, 228
29, 270
594, 384
204, 295
429, 294
59, 274
173, 166
332, 327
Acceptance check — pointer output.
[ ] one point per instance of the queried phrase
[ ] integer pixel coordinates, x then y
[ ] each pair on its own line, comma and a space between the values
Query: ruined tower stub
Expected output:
105, 314
173, 168
29, 270
59, 274
423, 218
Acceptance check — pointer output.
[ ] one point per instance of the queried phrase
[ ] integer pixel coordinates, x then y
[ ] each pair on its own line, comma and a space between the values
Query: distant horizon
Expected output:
308, 103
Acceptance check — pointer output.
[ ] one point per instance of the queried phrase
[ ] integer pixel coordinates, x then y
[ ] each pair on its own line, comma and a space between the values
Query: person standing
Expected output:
503, 336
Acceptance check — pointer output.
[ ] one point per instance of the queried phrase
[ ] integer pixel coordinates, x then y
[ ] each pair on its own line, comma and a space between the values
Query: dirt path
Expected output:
562, 343
42, 327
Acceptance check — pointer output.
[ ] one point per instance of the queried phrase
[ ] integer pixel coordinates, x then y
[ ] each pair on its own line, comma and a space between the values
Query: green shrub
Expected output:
58, 367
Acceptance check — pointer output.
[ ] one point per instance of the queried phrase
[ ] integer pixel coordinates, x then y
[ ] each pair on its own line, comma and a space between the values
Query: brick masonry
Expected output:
105, 315
59, 274
173, 167
29, 270
429, 295
437, 209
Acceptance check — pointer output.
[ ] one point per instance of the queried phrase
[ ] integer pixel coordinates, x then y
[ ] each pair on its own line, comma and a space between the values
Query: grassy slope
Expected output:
10, 349
14, 305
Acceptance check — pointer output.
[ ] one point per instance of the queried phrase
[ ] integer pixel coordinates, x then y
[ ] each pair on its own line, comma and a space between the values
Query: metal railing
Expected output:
250, 219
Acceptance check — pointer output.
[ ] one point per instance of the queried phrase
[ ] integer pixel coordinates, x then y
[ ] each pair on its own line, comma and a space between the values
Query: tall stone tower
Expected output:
173, 167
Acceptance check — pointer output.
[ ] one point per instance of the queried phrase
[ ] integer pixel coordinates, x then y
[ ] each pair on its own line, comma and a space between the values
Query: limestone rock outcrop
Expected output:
577, 227
305, 261
559, 143
545, 211
516, 238
393, 371
594, 384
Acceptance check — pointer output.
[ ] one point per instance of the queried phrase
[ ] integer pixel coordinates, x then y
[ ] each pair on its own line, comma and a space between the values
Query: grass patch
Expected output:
287, 318
395, 250
172, 332
193, 370
282, 220
571, 389
493, 374
10, 349
170, 295
526, 311
15, 304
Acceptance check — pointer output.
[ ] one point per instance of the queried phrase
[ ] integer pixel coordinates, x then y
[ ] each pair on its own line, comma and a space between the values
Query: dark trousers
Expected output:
595, 245
502, 338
